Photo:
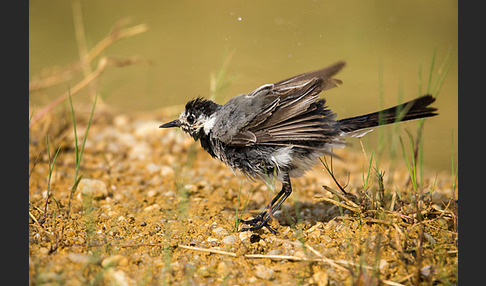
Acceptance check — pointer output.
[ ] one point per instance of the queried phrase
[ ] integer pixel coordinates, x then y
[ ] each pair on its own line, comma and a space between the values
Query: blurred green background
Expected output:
384, 42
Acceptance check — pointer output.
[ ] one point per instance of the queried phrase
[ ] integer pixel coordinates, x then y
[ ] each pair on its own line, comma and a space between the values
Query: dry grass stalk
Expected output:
318, 198
207, 250
82, 46
103, 63
34, 219
316, 253
118, 32
342, 197
321, 258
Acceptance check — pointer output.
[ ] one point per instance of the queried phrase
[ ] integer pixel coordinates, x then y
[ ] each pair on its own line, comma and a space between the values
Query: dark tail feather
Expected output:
414, 109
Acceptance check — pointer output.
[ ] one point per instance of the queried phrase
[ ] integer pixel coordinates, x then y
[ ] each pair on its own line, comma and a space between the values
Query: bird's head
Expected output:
197, 119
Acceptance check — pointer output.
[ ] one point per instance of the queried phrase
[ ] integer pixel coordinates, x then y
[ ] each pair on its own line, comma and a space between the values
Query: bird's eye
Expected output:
190, 119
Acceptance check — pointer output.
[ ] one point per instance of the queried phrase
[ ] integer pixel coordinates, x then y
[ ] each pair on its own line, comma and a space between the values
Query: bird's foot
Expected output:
257, 223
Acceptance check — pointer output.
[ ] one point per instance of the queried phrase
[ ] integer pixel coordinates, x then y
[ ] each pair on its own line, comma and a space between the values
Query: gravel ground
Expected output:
153, 208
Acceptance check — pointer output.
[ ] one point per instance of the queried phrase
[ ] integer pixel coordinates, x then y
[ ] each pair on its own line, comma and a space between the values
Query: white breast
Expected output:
208, 125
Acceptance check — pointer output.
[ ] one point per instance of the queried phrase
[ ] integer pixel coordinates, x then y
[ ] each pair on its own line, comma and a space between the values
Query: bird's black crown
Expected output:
200, 106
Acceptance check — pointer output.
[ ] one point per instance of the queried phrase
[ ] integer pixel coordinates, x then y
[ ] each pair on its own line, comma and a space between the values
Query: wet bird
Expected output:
279, 130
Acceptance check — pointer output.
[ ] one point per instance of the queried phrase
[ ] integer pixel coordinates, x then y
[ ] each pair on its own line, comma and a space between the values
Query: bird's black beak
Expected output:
174, 123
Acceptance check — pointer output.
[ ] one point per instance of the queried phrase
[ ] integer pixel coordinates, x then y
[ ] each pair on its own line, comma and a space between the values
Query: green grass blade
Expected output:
442, 74
368, 173
414, 164
76, 183
87, 128
420, 150
218, 83
243, 209
31, 114
48, 151
51, 165
410, 164
76, 151
429, 82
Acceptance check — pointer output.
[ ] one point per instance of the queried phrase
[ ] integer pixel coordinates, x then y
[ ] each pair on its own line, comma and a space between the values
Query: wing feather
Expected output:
295, 114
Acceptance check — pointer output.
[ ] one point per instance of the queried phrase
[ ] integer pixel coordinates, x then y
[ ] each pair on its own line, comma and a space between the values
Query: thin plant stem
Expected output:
31, 114
78, 158
429, 82
118, 32
78, 151
329, 169
51, 168
410, 165
217, 83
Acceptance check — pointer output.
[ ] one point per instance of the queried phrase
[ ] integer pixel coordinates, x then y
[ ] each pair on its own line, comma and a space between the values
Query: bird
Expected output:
280, 130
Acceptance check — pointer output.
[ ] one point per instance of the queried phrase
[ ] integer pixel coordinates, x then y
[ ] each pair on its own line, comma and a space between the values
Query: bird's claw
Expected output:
257, 223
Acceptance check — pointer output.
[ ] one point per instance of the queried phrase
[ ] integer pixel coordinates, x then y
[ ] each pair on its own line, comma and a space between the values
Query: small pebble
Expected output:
384, 265
426, 271
91, 187
229, 240
121, 121
152, 168
220, 231
263, 272
299, 253
287, 245
222, 269
169, 194
152, 193
166, 171
152, 207
320, 278
118, 277
140, 151
114, 260
244, 235
274, 252
204, 271
78, 258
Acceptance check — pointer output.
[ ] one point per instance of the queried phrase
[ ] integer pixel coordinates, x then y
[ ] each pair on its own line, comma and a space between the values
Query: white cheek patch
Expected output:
208, 125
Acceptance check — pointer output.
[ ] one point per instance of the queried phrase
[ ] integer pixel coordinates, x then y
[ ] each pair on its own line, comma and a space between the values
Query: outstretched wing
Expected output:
294, 113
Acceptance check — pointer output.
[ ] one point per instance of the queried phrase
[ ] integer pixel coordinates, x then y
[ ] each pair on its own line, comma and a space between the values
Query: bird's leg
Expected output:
262, 219
256, 220
260, 216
